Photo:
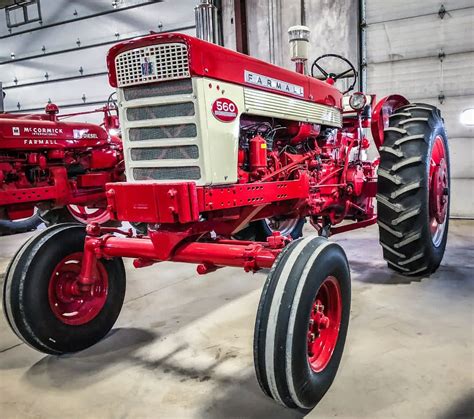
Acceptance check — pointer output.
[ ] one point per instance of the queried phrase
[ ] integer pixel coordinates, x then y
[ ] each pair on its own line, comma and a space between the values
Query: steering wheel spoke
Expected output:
322, 70
349, 73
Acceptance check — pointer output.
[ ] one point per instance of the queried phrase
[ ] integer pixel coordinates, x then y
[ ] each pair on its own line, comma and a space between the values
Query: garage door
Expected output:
425, 51
63, 59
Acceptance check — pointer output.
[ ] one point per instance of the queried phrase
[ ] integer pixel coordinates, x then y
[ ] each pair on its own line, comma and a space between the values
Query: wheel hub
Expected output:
68, 303
284, 226
87, 215
438, 189
324, 324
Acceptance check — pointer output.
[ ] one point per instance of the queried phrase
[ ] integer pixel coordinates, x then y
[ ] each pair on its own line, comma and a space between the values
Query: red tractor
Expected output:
225, 157
58, 168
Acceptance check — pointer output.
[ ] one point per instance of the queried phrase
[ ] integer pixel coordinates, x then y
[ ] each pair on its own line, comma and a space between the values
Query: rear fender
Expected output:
381, 114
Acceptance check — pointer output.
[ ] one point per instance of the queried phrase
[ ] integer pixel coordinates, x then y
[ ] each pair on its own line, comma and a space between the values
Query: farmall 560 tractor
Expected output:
217, 143
57, 167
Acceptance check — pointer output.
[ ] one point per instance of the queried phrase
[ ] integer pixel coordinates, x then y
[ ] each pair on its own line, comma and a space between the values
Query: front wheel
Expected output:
43, 302
302, 322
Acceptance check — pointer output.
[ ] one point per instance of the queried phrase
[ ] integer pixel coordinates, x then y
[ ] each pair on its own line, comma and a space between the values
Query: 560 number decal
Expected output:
224, 110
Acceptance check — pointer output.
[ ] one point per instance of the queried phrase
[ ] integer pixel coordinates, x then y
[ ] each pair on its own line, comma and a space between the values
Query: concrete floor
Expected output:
182, 346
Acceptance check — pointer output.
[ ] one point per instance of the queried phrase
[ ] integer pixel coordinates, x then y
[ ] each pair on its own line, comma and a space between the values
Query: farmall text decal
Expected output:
274, 84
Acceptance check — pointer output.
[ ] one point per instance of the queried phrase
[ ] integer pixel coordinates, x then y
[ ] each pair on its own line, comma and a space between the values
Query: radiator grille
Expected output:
165, 153
152, 63
167, 173
160, 111
167, 131
169, 88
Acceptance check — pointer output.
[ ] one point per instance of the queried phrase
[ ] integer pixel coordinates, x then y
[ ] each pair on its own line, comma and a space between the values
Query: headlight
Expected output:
357, 101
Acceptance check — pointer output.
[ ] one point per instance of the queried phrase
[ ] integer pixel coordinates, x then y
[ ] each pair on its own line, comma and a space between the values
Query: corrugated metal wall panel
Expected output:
53, 11
462, 198
392, 41
61, 93
462, 153
425, 77
127, 23
134, 21
450, 109
386, 10
400, 35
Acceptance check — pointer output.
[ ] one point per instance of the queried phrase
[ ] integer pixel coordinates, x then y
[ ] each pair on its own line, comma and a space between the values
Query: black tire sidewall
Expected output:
32, 312
290, 334
312, 386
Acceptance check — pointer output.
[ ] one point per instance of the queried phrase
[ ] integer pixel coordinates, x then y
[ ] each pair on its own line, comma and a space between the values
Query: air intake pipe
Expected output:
207, 27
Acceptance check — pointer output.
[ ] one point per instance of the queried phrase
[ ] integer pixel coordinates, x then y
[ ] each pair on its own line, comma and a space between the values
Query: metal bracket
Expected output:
442, 12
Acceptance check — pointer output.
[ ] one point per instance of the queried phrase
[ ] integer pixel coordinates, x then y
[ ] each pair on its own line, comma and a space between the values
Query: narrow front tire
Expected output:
302, 322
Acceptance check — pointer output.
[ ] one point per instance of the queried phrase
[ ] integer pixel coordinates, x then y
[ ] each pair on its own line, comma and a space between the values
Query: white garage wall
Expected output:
81, 44
429, 57
333, 24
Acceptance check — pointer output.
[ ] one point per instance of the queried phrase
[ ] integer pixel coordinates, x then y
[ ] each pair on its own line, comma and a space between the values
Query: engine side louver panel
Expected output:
167, 173
160, 111
169, 88
165, 153
258, 102
167, 131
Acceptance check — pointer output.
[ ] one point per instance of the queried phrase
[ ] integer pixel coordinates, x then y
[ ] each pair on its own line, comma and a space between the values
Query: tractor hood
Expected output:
26, 131
213, 61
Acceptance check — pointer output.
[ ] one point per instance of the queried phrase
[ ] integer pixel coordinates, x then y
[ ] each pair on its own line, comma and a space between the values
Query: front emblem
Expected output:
225, 110
148, 68
15, 130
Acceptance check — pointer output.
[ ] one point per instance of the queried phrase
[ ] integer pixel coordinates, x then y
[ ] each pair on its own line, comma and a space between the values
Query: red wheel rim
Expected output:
438, 190
324, 324
68, 302
88, 215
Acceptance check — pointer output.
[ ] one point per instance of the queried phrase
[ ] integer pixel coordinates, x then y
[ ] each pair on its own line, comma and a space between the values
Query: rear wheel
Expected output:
414, 190
261, 229
302, 322
43, 302
76, 213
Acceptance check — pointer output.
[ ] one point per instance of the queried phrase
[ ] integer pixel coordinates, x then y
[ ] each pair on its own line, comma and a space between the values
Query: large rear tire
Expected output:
41, 298
413, 190
302, 322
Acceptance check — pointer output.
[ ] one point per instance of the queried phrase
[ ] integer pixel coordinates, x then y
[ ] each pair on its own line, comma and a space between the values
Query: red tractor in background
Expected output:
56, 168
218, 144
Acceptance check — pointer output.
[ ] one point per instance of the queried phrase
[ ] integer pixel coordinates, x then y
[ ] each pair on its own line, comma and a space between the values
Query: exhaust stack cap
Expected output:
299, 43
206, 21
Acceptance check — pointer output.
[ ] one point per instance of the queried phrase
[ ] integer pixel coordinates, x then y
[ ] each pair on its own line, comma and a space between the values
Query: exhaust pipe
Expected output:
207, 27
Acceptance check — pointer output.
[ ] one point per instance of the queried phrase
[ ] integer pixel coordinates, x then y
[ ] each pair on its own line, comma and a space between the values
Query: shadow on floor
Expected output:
379, 274
243, 398
463, 408
74, 370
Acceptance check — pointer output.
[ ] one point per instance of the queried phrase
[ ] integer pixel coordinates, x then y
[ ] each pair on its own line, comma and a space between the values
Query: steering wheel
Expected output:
350, 72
